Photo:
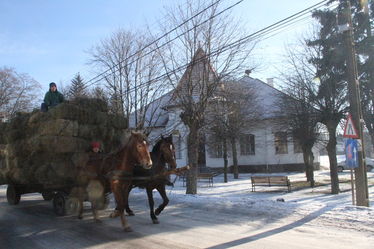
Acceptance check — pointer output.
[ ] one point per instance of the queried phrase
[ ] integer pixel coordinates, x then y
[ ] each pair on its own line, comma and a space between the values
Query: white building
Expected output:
264, 148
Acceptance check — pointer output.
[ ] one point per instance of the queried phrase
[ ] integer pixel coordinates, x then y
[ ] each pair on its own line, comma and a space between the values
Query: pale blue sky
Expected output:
47, 39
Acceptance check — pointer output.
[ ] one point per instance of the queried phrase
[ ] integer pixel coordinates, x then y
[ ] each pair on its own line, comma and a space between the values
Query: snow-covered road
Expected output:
227, 215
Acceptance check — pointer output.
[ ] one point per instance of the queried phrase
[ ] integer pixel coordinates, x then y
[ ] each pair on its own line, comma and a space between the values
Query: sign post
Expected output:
351, 161
350, 130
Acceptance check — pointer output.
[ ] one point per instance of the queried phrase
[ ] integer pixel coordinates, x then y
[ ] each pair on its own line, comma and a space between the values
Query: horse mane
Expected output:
131, 138
156, 147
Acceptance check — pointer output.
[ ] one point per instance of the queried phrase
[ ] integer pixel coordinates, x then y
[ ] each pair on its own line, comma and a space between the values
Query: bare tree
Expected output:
130, 69
233, 112
206, 45
18, 91
301, 117
316, 77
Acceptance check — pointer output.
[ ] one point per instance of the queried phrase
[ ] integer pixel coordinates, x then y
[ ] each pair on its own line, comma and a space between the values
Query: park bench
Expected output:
270, 181
201, 177
206, 177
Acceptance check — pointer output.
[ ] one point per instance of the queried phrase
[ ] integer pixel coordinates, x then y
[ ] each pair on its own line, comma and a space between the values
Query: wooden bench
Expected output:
201, 177
206, 177
270, 181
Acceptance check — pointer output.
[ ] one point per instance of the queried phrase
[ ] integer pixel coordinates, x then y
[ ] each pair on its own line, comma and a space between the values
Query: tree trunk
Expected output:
225, 160
192, 150
235, 158
331, 150
309, 167
372, 142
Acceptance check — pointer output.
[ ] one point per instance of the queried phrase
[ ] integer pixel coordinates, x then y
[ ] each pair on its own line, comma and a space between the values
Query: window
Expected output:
247, 144
280, 140
178, 146
297, 145
216, 150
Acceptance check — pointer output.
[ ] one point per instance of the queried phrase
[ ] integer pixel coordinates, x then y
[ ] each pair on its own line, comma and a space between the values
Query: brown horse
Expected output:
162, 153
93, 177
134, 153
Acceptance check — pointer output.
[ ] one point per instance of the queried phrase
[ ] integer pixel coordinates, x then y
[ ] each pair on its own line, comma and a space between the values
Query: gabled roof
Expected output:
199, 57
156, 115
268, 97
193, 72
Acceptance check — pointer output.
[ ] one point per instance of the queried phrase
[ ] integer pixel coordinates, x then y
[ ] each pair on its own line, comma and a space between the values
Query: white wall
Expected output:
264, 150
264, 145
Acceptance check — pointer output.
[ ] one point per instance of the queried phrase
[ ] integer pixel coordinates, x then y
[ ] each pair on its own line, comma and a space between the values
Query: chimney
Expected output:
248, 72
270, 81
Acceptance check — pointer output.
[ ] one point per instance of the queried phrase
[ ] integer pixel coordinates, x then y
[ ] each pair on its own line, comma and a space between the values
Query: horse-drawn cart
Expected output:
62, 199
44, 152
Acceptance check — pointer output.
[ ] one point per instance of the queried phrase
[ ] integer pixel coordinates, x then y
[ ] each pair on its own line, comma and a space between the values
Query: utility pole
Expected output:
362, 193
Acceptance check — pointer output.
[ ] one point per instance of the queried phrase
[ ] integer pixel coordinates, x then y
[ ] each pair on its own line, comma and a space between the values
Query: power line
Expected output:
95, 79
288, 25
256, 35
162, 19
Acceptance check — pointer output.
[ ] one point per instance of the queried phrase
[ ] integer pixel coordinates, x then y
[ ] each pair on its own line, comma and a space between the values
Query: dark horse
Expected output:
162, 153
135, 152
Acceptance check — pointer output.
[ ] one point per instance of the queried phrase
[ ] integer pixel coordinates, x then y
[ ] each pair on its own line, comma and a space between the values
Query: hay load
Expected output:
47, 148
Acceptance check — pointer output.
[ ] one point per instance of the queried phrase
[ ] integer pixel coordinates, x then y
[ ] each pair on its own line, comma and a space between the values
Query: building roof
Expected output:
156, 115
268, 97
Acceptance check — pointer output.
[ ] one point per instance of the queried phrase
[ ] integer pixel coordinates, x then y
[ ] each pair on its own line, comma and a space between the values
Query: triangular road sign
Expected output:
350, 130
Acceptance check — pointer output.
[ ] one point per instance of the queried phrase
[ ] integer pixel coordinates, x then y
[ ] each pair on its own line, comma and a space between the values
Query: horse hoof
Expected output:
97, 221
157, 212
131, 213
155, 222
80, 217
114, 214
127, 229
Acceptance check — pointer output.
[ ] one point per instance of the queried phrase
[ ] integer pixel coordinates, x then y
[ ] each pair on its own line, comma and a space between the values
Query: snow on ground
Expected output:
331, 210
230, 215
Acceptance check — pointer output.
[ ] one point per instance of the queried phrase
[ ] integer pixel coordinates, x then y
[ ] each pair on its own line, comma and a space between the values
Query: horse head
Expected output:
141, 155
167, 150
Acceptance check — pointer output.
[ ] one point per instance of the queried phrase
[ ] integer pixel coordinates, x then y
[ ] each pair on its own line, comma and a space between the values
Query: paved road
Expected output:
32, 224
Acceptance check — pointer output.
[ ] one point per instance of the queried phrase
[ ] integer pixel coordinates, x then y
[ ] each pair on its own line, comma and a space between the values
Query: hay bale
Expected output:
48, 148
2, 169
59, 127
58, 144
79, 159
117, 121
91, 104
3, 129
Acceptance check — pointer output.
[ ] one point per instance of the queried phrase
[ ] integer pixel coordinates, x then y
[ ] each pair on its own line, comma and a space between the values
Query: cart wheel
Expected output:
47, 195
12, 195
59, 204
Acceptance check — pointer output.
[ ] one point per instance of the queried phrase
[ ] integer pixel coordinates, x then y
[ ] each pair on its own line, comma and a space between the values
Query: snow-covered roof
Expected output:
268, 97
156, 115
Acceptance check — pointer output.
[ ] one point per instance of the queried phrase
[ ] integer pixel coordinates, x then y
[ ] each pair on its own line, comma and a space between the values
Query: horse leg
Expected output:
151, 205
118, 189
116, 213
162, 191
128, 210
